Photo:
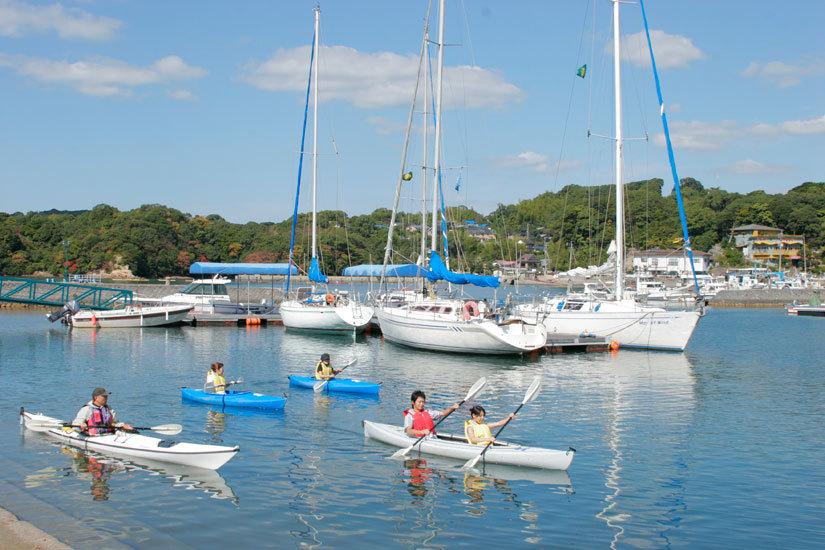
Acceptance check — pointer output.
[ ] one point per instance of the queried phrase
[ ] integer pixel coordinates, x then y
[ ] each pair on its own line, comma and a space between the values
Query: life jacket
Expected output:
219, 382
480, 431
101, 416
421, 420
322, 371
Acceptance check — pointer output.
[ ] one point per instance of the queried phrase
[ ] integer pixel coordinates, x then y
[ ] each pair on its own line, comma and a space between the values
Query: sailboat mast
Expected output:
617, 84
426, 145
315, 135
437, 158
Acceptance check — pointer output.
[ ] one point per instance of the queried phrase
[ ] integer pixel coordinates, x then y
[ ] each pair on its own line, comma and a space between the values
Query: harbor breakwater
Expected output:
768, 297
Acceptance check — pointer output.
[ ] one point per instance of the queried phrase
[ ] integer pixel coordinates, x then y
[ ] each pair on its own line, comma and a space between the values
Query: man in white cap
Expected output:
96, 418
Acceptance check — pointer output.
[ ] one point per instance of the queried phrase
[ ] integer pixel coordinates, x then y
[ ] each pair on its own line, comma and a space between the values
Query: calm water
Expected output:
722, 446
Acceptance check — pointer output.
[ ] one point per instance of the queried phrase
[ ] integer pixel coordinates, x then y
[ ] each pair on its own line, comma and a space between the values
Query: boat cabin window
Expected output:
207, 289
573, 306
446, 310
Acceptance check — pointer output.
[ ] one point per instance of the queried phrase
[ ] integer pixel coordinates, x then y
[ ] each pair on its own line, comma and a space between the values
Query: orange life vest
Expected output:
421, 420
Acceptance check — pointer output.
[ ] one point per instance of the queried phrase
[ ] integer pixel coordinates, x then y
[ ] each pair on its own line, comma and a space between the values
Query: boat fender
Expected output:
560, 306
470, 310
614, 345
329, 298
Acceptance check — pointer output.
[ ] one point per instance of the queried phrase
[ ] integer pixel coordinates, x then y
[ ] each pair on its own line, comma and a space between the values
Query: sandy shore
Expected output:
22, 535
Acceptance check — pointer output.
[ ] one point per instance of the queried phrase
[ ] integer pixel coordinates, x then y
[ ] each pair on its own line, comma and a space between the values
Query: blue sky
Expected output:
198, 105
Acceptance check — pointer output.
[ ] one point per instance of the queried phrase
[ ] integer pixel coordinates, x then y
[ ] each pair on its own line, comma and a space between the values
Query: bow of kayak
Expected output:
340, 385
240, 399
133, 445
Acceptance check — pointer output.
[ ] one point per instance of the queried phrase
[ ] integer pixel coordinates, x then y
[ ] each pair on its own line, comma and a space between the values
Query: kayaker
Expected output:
215, 379
419, 421
475, 429
96, 418
324, 370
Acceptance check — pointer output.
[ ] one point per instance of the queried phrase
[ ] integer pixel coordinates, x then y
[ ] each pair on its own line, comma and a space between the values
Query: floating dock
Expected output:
217, 319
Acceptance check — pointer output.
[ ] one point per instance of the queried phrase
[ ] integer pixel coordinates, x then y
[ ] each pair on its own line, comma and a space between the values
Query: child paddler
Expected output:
215, 380
477, 431
420, 421
324, 370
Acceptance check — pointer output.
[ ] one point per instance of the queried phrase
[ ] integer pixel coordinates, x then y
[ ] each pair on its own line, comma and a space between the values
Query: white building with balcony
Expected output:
658, 261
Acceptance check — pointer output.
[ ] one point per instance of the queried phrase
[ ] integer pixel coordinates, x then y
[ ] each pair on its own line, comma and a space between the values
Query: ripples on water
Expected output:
720, 446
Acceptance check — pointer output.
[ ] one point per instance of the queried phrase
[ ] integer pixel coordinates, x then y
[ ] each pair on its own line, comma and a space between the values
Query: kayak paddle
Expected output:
531, 394
323, 383
44, 425
473, 391
232, 383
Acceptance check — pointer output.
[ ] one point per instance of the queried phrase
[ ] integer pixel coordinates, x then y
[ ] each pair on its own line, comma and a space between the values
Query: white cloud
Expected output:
19, 19
369, 80
791, 127
671, 50
101, 76
385, 126
182, 95
752, 167
703, 136
536, 162
782, 74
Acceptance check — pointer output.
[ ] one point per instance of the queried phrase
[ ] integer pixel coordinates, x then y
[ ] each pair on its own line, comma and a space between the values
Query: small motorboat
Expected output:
232, 398
340, 385
127, 317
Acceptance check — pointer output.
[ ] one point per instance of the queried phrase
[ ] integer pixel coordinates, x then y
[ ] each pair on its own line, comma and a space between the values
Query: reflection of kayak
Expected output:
343, 385
452, 446
137, 446
242, 399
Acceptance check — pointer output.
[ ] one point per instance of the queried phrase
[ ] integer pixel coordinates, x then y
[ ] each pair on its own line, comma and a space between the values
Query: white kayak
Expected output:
132, 445
452, 446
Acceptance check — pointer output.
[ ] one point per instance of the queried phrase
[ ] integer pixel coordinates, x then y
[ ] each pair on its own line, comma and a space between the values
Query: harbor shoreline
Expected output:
16, 534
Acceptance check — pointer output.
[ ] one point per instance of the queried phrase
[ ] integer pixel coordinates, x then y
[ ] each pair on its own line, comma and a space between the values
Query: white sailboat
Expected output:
621, 318
310, 309
446, 324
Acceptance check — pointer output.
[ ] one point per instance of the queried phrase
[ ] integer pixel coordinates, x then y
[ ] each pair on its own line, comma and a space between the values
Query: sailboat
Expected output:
621, 318
309, 308
449, 324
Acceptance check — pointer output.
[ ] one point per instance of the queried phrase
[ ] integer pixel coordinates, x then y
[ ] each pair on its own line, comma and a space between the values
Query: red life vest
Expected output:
421, 420
101, 416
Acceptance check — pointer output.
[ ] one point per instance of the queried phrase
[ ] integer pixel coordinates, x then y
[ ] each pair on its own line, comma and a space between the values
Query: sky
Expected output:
198, 105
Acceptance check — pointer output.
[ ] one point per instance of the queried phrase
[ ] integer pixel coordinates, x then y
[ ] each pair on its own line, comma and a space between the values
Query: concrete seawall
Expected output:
772, 297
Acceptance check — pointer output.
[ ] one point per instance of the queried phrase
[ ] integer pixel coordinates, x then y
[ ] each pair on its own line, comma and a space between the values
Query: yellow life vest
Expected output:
219, 383
480, 431
323, 371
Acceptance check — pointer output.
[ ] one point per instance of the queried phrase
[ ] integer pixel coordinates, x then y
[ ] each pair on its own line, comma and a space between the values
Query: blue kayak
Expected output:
240, 399
342, 385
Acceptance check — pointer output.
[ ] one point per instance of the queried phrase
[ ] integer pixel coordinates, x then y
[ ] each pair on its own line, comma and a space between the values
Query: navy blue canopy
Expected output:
393, 270
214, 268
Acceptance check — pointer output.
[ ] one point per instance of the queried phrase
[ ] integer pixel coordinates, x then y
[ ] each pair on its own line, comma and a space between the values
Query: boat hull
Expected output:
325, 318
481, 336
339, 385
131, 317
638, 327
129, 445
457, 448
235, 399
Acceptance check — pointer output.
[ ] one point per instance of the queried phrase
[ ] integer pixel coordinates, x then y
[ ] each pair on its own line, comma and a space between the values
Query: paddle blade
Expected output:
401, 453
532, 391
476, 388
319, 385
167, 429
470, 464
41, 425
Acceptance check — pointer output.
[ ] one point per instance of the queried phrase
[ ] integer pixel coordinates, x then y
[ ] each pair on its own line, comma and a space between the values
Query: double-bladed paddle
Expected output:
44, 425
471, 393
232, 383
531, 394
323, 383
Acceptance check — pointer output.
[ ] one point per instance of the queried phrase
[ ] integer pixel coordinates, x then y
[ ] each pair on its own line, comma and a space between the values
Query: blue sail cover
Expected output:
213, 268
315, 274
439, 272
393, 270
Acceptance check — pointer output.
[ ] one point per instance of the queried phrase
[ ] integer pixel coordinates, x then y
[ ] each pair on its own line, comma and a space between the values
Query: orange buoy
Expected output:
614, 345
330, 298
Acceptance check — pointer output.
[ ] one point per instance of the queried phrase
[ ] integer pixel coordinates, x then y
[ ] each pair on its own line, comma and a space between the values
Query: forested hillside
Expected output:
156, 241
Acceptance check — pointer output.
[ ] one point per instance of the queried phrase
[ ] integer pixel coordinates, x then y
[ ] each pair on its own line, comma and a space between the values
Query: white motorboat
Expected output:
207, 296
131, 316
457, 326
133, 445
457, 447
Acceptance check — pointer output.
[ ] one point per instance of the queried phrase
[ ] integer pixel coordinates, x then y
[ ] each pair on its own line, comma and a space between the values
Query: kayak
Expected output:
452, 446
132, 445
342, 385
240, 399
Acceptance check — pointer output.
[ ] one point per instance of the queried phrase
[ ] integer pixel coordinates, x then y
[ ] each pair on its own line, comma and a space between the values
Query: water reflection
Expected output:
215, 424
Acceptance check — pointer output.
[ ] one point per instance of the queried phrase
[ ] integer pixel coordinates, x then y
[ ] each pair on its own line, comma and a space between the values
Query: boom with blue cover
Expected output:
315, 273
215, 268
393, 270
439, 272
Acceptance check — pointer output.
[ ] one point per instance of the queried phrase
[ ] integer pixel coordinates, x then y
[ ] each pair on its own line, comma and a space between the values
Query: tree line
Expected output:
570, 227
